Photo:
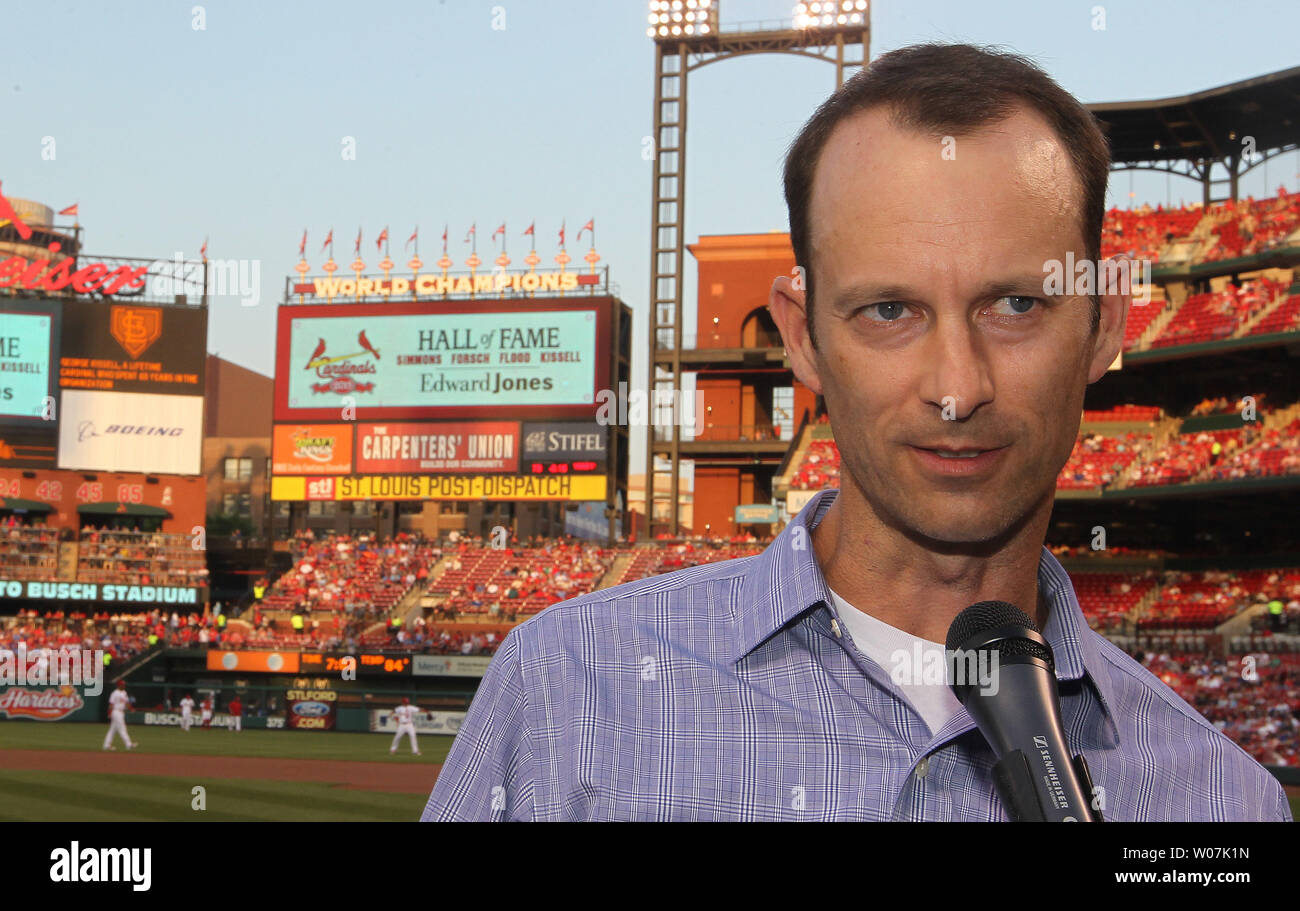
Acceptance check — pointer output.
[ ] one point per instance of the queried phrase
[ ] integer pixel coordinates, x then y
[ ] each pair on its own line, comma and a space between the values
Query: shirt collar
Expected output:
786, 580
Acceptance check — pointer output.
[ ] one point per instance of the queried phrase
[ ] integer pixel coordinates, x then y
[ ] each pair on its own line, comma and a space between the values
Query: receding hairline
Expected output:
905, 121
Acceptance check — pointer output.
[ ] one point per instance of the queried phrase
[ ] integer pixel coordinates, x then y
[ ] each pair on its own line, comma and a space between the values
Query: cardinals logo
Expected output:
136, 328
318, 358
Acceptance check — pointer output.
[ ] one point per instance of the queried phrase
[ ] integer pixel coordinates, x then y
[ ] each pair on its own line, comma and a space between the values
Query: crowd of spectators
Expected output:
1211, 316
126, 557
820, 467
1253, 699
30, 551
1277, 452
1252, 226
1098, 459
504, 584
1143, 232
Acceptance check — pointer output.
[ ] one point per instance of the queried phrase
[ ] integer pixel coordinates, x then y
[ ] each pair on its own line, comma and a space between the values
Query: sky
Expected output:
461, 112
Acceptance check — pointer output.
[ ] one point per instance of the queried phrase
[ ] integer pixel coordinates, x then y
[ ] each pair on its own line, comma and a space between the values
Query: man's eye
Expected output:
1019, 306
889, 312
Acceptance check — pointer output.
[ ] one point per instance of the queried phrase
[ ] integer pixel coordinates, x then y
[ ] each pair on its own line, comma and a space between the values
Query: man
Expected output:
236, 709
405, 715
928, 199
117, 706
187, 712
205, 717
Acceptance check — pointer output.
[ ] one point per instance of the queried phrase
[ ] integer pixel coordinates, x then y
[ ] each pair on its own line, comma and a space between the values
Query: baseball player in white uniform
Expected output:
117, 706
405, 715
187, 712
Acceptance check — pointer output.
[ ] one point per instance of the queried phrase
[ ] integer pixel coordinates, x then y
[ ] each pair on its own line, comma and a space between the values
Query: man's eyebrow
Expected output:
863, 295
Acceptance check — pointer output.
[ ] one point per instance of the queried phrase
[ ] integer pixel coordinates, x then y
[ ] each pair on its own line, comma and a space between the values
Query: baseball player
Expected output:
117, 704
187, 712
236, 709
405, 715
205, 716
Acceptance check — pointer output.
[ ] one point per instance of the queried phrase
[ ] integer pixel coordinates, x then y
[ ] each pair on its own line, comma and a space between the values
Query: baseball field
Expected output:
60, 773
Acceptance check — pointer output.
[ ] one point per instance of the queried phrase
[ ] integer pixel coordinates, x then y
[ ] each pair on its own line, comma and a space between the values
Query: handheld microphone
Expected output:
1018, 711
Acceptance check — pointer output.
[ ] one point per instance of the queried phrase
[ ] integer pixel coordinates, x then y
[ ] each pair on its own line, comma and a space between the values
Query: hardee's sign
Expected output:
40, 705
37, 274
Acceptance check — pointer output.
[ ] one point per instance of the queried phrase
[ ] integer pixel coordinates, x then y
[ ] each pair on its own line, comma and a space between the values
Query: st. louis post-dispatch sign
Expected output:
404, 362
441, 487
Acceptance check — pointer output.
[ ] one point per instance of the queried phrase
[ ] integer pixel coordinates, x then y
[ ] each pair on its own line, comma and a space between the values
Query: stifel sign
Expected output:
36, 275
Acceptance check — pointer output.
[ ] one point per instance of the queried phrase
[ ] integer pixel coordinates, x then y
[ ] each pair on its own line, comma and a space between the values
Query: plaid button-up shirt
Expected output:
724, 692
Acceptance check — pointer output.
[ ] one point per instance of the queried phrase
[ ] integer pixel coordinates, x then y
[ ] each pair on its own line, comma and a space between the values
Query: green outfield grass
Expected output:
31, 735
82, 797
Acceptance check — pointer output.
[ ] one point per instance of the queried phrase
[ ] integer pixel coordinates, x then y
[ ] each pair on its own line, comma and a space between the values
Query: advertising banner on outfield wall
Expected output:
311, 449
311, 710
438, 361
119, 431
441, 447
111, 347
437, 487
219, 720
55, 703
253, 661
425, 722
449, 665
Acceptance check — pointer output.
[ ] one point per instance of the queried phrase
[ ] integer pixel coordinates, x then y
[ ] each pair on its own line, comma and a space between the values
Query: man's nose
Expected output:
956, 373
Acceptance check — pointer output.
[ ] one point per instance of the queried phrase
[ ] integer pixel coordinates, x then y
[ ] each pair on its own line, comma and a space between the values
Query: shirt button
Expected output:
923, 767
835, 628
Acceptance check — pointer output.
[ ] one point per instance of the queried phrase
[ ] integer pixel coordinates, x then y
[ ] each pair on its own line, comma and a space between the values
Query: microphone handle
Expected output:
1031, 725
1015, 784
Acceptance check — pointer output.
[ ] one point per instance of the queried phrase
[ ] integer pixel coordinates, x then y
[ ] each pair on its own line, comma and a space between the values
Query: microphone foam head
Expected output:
985, 615
990, 615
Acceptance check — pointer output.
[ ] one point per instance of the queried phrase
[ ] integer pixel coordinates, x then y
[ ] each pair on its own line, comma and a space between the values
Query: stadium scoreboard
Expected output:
368, 664
478, 400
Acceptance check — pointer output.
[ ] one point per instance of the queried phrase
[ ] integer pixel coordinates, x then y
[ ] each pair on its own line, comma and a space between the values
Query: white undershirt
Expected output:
934, 702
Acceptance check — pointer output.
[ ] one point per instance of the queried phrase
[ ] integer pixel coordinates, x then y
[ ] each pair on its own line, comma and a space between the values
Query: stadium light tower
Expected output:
687, 35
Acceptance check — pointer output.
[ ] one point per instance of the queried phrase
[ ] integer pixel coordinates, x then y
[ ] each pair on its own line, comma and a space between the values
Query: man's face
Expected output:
928, 268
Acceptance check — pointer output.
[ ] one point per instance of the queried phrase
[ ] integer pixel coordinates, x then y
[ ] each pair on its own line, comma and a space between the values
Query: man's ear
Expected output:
1115, 304
788, 306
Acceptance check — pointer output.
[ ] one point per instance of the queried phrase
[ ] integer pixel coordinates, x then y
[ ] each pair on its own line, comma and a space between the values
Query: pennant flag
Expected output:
530, 229
383, 236
70, 210
561, 235
302, 247
414, 236
589, 226
203, 250
473, 229
444, 239
358, 246
329, 242
500, 230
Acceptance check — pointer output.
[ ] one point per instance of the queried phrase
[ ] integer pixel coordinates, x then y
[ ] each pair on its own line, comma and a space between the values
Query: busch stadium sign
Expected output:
92, 591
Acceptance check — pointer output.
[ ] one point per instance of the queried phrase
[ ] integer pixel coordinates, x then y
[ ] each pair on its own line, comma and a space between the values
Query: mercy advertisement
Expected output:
29, 333
402, 361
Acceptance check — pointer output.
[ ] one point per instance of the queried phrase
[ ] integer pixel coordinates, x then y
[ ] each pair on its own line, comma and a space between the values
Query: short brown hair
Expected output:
951, 89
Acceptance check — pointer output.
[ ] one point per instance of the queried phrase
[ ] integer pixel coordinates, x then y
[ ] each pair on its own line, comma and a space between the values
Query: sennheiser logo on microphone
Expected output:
1051, 779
